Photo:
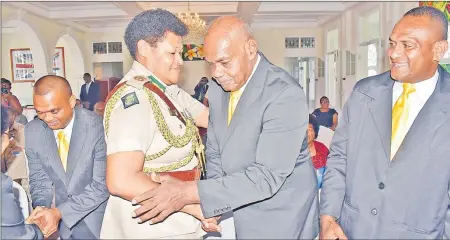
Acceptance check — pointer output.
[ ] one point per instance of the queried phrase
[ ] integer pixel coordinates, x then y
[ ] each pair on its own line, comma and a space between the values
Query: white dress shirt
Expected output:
67, 131
87, 87
417, 99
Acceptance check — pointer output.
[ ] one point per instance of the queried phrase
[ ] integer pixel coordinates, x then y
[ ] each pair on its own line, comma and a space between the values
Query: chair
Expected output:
21, 195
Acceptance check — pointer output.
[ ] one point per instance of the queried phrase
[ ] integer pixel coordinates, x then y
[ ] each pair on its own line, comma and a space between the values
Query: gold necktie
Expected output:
234, 99
400, 114
63, 149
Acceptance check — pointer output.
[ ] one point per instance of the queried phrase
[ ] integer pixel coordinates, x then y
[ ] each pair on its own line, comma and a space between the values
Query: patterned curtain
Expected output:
445, 8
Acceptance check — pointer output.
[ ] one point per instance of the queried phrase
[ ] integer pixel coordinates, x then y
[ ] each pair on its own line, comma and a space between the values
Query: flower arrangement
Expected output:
193, 52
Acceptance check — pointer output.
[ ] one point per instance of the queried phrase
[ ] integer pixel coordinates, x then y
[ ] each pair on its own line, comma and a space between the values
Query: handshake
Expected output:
47, 219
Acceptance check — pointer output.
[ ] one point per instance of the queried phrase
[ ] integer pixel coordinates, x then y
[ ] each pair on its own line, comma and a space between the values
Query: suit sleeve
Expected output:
212, 152
447, 217
41, 186
333, 187
284, 129
96, 96
82, 96
95, 193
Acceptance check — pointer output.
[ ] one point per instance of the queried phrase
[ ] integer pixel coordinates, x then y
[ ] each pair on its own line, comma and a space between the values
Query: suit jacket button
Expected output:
381, 185
374, 211
70, 195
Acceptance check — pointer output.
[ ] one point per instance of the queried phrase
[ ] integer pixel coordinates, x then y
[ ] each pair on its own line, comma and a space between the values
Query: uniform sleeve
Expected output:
131, 127
194, 107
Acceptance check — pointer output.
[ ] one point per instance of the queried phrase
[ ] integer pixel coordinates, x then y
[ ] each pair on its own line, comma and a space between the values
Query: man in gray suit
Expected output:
388, 171
67, 159
258, 164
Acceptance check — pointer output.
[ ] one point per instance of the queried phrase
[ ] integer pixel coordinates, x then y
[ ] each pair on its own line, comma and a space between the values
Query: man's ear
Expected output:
143, 48
439, 50
251, 49
73, 101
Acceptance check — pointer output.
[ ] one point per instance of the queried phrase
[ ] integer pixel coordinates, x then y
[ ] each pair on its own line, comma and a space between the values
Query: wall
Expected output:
43, 35
271, 43
13, 41
349, 38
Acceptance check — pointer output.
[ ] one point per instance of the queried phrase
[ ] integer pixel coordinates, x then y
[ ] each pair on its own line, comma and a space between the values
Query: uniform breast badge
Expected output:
129, 100
140, 78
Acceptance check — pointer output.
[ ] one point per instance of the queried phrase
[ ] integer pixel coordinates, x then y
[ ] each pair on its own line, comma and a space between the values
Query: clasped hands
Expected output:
169, 197
47, 219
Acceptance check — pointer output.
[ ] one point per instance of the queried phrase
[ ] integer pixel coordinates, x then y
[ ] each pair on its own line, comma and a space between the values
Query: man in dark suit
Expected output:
388, 171
66, 154
90, 92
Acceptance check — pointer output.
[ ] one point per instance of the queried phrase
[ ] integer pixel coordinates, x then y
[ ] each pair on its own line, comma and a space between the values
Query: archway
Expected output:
18, 34
73, 62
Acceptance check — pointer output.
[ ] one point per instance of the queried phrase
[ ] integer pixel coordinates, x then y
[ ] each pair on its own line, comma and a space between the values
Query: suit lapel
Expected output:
252, 91
223, 119
381, 110
53, 155
77, 142
434, 113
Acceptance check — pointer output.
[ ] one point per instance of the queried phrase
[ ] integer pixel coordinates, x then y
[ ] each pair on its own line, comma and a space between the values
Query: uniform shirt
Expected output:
141, 132
417, 99
132, 127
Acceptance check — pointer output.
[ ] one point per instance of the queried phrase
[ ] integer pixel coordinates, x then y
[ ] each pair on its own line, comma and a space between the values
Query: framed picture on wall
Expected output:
59, 67
22, 65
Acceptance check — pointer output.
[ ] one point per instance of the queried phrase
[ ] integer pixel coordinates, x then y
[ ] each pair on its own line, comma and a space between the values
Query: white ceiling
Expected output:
104, 16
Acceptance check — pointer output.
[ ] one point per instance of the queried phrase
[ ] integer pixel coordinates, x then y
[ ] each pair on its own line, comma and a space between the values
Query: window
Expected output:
321, 68
372, 60
291, 42
350, 63
307, 42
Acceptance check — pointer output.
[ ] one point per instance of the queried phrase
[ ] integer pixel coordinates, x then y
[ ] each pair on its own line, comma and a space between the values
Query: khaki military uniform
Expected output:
138, 119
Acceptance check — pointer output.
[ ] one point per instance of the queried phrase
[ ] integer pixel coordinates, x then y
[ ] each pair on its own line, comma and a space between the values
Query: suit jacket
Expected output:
260, 166
13, 223
374, 197
80, 192
92, 96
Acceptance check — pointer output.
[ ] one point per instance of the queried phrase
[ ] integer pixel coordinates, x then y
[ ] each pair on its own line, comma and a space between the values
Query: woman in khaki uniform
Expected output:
151, 126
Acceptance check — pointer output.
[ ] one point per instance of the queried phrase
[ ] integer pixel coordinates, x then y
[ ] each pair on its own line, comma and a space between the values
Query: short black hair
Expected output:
434, 14
315, 124
152, 26
323, 98
87, 75
4, 80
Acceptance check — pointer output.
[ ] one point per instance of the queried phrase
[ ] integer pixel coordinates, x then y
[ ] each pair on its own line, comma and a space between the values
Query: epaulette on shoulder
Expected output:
138, 81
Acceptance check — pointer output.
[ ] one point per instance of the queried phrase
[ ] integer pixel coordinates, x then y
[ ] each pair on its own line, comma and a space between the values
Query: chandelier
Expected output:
195, 25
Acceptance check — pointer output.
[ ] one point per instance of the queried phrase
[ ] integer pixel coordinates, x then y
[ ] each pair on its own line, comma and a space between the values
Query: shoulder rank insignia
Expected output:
140, 78
129, 100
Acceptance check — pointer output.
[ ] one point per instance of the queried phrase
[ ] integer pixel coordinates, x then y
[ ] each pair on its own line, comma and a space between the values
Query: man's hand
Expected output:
47, 219
330, 229
86, 104
158, 203
211, 224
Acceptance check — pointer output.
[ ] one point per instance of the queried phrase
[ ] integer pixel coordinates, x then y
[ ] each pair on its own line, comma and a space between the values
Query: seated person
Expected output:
319, 152
13, 223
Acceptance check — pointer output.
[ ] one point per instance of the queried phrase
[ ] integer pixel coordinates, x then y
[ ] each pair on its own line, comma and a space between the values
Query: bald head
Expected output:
230, 27
232, 51
51, 83
53, 101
